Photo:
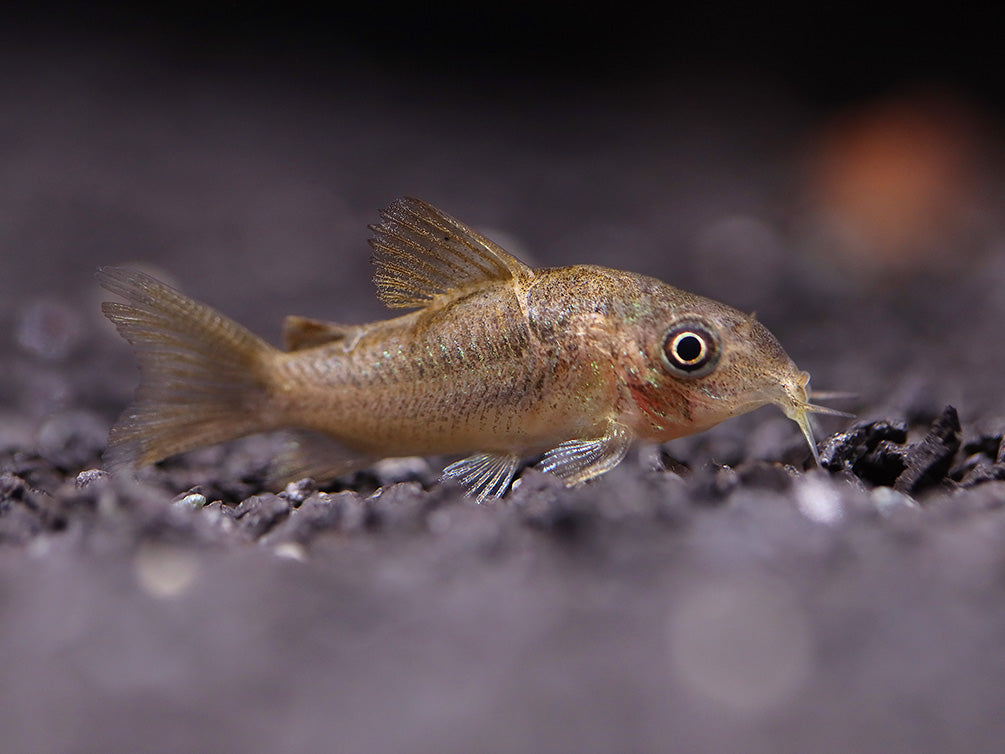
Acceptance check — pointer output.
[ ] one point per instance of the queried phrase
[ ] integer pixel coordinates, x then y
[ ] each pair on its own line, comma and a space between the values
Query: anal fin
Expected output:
576, 461
321, 457
485, 475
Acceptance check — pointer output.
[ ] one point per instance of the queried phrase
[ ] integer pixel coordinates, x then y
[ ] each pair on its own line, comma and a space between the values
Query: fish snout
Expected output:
794, 402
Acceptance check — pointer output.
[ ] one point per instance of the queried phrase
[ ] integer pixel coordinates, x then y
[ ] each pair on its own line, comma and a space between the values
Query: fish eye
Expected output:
690, 349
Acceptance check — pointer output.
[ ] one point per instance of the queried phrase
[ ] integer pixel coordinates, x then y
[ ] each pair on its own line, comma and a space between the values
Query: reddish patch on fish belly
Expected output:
647, 398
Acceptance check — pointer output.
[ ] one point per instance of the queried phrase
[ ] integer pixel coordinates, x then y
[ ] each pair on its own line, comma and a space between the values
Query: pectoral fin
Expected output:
576, 461
484, 475
421, 253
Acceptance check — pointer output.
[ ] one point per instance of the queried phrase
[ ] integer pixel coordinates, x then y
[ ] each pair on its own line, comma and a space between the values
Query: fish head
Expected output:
700, 362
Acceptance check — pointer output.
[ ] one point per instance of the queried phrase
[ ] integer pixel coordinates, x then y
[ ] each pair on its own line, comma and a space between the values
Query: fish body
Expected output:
497, 362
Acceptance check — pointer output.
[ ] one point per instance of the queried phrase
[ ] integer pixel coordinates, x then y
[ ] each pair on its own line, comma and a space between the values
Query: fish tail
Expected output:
203, 377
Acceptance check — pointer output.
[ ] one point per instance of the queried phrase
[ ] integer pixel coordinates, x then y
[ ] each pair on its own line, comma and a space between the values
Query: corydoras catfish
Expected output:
498, 362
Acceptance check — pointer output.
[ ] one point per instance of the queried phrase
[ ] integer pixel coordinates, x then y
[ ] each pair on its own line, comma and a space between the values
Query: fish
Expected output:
497, 362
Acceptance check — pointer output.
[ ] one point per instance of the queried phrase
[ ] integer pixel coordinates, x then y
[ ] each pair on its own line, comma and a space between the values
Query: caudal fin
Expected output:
203, 377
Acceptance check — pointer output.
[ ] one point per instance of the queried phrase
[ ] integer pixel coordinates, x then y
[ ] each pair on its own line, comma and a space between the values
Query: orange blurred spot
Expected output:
898, 178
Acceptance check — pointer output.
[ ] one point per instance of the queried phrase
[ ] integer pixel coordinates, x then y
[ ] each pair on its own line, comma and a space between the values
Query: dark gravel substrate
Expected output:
715, 594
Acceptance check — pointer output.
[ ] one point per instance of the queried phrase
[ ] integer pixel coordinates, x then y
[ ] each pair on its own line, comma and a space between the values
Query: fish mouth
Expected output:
795, 403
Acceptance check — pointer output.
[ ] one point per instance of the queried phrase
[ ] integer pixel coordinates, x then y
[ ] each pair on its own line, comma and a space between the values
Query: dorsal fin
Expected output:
301, 332
421, 253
